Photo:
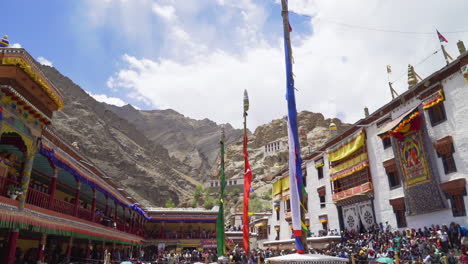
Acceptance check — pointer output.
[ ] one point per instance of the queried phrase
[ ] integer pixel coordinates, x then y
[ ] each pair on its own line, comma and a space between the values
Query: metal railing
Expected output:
37, 198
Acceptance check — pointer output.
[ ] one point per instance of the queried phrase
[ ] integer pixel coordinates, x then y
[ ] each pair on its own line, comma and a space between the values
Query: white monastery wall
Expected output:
313, 183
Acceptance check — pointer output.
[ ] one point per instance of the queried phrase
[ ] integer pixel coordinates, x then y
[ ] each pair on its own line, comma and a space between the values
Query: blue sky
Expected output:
197, 56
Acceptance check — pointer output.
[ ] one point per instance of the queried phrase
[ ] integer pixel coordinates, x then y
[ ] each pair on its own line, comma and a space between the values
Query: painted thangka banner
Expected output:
416, 166
413, 159
351, 218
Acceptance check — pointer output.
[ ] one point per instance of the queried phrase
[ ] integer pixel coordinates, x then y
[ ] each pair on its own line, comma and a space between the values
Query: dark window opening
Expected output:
458, 205
305, 200
322, 202
304, 178
320, 172
277, 234
401, 218
449, 163
351, 181
393, 179
437, 114
387, 142
325, 226
288, 205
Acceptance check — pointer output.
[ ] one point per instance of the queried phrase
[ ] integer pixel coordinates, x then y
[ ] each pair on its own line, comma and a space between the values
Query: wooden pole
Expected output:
286, 28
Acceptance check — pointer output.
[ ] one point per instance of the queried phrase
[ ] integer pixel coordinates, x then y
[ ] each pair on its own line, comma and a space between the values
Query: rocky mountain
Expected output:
268, 149
192, 142
143, 167
153, 153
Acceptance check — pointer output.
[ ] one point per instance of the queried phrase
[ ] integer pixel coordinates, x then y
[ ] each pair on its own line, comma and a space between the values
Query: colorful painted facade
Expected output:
54, 203
180, 229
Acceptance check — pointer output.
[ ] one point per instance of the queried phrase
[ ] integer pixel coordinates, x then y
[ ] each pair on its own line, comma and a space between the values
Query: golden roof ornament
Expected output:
4, 43
412, 76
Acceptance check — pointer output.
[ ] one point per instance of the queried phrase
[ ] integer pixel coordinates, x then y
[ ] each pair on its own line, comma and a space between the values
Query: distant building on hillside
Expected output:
230, 184
275, 146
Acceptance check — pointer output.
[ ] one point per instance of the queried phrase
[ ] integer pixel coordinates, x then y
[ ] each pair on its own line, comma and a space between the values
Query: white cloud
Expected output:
16, 46
165, 11
44, 61
339, 69
107, 99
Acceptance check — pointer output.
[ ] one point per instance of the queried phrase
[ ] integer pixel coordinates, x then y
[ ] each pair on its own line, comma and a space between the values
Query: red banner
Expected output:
247, 183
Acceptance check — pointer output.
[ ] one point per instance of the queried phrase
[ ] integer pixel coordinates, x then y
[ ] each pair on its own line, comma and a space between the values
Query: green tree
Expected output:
267, 195
209, 203
170, 204
198, 192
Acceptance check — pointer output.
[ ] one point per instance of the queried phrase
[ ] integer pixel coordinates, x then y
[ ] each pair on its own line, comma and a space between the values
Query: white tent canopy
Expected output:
307, 259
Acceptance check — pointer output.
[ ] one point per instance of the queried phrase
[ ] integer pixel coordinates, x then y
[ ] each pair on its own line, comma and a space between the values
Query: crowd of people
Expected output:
428, 245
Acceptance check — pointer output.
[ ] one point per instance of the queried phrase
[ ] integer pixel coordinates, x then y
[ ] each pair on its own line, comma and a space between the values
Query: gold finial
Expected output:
412, 80
5, 37
366, 111
333, 129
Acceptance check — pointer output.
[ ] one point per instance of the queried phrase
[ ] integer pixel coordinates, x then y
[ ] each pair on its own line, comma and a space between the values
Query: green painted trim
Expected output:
15, 225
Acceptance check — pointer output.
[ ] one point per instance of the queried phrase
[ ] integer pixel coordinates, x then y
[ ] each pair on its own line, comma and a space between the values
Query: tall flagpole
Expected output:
247, 181
220, 219
295, 162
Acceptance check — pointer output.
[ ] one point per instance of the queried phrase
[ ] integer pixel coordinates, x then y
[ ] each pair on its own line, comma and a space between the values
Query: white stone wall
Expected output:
285, 232
456, 125
313, 183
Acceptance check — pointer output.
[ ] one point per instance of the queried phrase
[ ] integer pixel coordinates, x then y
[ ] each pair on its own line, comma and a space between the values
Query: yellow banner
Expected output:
285, 184
277, 187
347, 147
348, 164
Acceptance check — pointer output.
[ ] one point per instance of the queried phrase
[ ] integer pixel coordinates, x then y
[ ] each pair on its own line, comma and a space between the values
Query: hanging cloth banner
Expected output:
349, 167
422, 191
347, 146
323, 218
366, 214
433, 100
277, 188
220, 236
351, 218
465, 73
413, 159
247, 184
285, 184
402, 124
319, 163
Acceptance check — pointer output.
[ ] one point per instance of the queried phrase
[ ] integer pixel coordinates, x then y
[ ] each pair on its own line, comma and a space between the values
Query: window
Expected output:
458, 205
305, 198
448, 162
268, 228
304, 178
437, 114
288, 205
322, 201
399, 209
325, 226
387, 142
356, 179
401, 218
277, 228
320, 172
393, 179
